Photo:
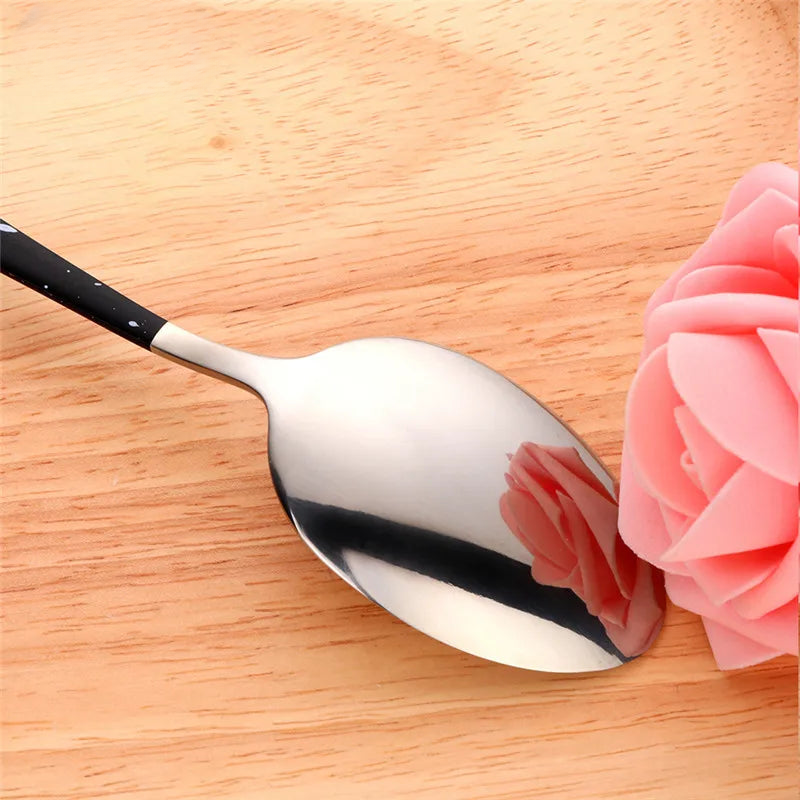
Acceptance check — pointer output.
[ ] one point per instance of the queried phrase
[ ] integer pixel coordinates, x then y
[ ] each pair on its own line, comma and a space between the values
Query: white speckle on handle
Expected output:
97, 283
6, 228
46, 286
133, 324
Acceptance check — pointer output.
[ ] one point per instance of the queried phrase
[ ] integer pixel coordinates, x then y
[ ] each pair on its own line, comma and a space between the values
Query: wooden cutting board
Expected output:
511, 179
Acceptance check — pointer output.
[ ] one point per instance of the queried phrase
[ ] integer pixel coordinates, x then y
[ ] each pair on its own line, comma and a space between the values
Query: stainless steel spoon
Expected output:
390, 458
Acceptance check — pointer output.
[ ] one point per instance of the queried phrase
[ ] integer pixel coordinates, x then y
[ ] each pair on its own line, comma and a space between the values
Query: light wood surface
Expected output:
511, 179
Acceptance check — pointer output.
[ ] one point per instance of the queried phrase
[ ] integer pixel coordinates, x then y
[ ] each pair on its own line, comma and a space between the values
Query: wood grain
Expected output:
509, 179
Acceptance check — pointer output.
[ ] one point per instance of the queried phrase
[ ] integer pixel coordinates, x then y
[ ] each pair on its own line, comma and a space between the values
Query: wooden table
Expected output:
509, 179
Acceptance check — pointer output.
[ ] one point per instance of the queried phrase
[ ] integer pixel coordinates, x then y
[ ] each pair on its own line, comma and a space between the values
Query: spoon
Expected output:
390, 457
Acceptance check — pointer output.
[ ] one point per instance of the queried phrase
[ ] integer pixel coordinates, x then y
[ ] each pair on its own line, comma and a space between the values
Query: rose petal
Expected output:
720, 313
724, 577
529, 475
716, 280
654, 441
645, 613
568, 457
677, 524
752, 510
746, 239
785, 253
734, 651
641, 525
527, 463
547, 573
598, 582
687, 465
770, 175
784, 348
601, 516
576, 581
776, 630
714, 463
777, 590
614, 610
723, 379
529, 523
597, 509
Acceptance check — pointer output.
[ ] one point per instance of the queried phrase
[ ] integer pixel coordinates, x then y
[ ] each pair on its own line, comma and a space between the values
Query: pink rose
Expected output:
711, 459
560, 511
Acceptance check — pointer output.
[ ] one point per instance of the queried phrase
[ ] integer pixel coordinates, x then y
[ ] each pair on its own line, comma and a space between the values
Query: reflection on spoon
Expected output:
568, 521
429, 579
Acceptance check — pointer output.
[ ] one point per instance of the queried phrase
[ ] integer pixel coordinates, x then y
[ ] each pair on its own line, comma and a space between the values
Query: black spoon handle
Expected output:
31, 263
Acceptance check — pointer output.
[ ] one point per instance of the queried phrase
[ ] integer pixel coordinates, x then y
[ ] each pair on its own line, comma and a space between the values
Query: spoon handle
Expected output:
34, 265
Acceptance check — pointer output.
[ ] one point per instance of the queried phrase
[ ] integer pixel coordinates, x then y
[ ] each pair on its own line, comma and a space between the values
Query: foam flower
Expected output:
568, 521
711, 458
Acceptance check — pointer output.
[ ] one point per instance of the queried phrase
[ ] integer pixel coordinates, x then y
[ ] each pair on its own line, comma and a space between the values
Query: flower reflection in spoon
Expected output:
568, 521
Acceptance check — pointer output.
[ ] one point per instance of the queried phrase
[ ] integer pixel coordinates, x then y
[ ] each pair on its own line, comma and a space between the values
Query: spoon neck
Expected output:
211, 358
